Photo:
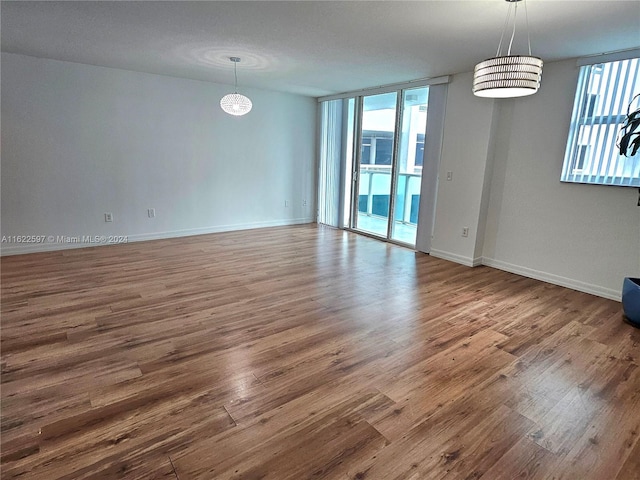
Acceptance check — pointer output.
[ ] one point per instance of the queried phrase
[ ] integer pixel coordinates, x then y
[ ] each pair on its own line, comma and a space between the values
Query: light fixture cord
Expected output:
513, 34
526, 16
504, 29
235, 74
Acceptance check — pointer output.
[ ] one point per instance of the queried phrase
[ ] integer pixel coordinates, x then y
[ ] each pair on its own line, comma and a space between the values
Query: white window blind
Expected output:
329, 171
602, 99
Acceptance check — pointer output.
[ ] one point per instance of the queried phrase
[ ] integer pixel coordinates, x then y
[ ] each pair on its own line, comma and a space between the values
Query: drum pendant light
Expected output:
508, 76
234, 103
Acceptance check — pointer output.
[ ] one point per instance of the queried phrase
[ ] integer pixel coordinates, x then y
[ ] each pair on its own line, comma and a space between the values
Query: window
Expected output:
377, 148
600, 107
419, 149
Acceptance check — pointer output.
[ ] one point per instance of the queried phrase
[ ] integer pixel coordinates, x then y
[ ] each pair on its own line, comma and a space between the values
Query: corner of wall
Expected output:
467, 152
487, 180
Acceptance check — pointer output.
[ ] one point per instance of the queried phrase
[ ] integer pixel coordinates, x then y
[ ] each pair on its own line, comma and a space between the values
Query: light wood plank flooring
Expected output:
305, 353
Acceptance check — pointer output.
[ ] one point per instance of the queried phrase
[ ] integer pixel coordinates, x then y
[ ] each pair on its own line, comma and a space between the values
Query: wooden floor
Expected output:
305, 353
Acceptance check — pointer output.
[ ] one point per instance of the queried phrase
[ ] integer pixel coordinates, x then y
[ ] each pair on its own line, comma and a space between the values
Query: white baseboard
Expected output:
531, 273
141, 237
555, 279
454, 257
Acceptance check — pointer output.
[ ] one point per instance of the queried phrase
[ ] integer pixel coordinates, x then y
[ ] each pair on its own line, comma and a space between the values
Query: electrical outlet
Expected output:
465, 231
108, 217
286, 203
304, 203
449, 176
151, 212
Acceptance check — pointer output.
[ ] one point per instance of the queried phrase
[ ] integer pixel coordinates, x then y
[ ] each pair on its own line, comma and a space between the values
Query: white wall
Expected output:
506, 157
80, 140
466, 149
583, 236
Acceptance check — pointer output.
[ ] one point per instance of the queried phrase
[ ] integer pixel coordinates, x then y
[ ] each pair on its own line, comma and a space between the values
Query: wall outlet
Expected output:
465, 231
449, 176
304, 203
108, 217
286, 203
151, 212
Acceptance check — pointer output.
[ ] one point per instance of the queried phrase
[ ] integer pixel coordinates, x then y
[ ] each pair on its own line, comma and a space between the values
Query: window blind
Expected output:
603, 95
330, 154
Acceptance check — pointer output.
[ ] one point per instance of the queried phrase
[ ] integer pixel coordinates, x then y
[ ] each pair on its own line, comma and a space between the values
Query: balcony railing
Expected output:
375, 187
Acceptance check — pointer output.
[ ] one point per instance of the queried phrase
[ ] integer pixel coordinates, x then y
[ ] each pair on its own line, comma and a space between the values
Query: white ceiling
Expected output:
309, 47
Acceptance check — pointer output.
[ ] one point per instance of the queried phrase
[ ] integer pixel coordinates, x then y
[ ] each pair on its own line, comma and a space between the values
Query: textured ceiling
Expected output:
309, 47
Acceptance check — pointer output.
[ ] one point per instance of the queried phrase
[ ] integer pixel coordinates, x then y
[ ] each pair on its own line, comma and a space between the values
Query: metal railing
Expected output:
375, 180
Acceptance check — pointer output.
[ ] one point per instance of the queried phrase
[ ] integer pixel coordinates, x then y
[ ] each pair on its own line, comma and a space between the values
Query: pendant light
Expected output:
234, 103
508, 76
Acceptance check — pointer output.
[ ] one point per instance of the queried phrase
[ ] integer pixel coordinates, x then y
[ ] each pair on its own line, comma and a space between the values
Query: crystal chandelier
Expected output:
234, 103
507, 76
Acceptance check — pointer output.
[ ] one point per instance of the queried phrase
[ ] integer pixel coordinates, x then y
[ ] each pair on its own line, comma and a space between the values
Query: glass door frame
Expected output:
355, 165
397, 131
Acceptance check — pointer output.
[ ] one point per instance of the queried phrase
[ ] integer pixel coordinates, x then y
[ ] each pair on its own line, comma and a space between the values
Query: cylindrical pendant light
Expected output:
235, 103
508, 76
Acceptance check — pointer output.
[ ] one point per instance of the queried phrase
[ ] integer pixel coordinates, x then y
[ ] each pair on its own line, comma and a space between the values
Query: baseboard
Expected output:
454, 257
49, 247
531, 273
555, 279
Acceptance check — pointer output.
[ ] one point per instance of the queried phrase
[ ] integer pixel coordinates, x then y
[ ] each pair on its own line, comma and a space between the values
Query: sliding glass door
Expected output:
379, 161
375, 161
408, 167
388, 165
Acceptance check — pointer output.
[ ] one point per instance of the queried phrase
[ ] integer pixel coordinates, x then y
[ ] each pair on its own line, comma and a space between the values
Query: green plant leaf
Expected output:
630, 131
624, 144
635, 144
